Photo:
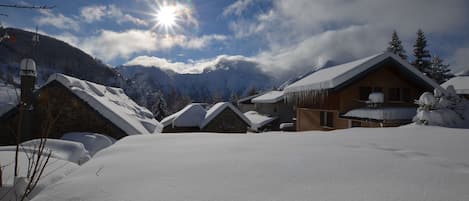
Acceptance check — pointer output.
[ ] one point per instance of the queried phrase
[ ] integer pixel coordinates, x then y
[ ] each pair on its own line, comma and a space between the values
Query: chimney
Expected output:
28, 80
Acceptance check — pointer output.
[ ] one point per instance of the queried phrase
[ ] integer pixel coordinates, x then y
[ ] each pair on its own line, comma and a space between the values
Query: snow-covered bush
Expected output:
442, 108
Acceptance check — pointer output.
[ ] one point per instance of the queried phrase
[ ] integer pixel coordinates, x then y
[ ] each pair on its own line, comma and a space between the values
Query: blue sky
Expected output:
278, 35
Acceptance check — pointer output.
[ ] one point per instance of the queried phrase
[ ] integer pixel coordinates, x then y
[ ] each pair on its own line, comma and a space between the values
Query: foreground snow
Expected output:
55, 170
411, 163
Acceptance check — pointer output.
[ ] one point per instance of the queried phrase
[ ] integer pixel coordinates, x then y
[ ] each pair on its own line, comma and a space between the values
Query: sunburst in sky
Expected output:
170, 17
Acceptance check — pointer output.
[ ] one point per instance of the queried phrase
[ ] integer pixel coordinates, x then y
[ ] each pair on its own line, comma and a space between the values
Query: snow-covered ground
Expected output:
407, 163
55, 170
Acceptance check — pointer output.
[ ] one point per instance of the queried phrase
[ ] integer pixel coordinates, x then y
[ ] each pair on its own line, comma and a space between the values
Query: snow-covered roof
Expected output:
9, 97
388, 113
216, 109
269, 97
112, 103
258, 120
460, 84
190, 116
332, 77
248, 98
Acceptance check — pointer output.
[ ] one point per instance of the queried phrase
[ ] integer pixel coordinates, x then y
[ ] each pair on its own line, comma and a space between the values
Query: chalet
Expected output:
67, 104
273, 104
186, 120
222, 117
460, 84
375, 91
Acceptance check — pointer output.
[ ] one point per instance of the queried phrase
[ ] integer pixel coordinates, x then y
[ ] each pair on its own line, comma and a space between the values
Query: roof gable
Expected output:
216, 109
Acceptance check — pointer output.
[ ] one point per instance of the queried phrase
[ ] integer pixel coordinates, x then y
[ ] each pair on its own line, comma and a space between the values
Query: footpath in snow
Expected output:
407, 163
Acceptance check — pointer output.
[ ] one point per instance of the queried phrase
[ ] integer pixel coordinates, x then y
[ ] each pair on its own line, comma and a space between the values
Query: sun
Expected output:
166, 17
172, 17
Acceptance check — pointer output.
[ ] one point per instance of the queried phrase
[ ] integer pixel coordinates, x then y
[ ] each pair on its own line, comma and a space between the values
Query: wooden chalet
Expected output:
67, 104
339, 97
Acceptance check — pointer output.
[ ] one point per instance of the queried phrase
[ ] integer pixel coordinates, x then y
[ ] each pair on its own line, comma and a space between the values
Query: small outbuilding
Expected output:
186, 120
223, 117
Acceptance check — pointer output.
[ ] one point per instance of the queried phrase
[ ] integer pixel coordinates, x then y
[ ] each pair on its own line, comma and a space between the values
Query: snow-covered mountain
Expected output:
52, 56
222, 80
148, 86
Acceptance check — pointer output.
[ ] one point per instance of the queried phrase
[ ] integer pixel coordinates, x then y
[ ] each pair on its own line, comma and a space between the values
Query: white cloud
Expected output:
93, 13
109, 45
68, 38
98, 12
121, 17
191, 66
303, 33
237, 7
57, 20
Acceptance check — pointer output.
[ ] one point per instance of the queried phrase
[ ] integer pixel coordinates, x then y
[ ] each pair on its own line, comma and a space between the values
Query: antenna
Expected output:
36, 38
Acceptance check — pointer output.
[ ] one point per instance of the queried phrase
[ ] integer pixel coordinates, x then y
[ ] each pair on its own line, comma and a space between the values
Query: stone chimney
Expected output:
28, 80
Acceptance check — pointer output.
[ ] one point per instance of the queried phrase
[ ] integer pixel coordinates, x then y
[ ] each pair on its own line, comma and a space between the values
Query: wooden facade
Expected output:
57, 111
226, 121
386, 78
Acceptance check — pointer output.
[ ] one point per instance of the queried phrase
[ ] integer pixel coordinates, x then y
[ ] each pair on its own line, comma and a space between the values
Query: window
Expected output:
356, 124
377, 89
364, 93
394, 94
326, 119
406, 95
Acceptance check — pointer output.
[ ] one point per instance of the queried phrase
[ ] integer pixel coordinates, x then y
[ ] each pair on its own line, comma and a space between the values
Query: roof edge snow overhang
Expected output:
376, 63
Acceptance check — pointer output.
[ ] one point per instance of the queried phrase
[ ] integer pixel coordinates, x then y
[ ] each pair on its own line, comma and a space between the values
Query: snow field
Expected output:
407, 163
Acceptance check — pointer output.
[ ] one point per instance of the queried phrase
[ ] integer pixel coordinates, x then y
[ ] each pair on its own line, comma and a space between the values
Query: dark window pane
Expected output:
364, 92
377, 89
322, 119
406, 94
330, 119
394, 94
356, 124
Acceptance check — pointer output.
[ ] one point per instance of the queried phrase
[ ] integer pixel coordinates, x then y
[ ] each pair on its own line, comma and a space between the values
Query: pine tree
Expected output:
395, 46
421, 54
438, 71
217, 97
160, 108
252, 91
234, 98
